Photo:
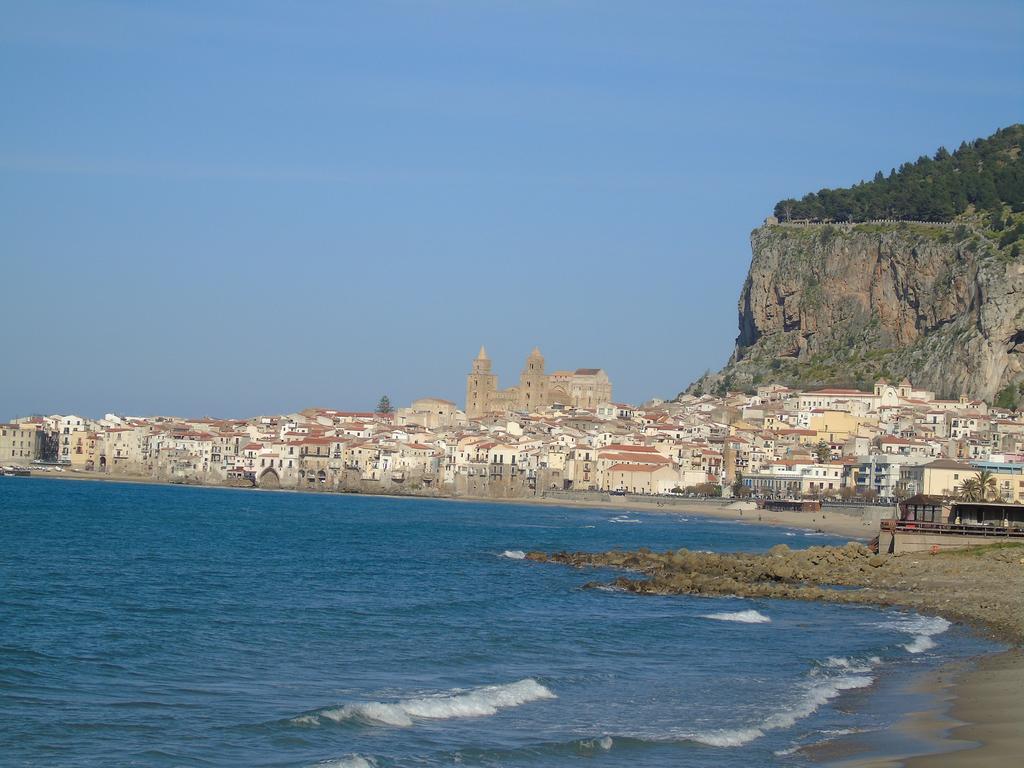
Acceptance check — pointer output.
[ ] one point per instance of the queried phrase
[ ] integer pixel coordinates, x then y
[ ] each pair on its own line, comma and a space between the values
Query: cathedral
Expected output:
583, 388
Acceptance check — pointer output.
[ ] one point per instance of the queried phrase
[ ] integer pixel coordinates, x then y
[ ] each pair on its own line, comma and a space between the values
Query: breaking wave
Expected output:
352, 761
816, 694
478, 702
823, 682
514, 554
744, 617
923, 628
920, 644
858, 666
592, 745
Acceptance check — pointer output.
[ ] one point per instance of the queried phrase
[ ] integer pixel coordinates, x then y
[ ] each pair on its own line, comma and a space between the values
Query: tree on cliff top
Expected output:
986, 173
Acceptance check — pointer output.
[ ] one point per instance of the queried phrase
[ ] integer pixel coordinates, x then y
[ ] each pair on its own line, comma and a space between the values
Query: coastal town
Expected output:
563, 433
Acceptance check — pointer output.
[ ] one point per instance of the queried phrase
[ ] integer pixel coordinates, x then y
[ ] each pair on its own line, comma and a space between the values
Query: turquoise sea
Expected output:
170, 626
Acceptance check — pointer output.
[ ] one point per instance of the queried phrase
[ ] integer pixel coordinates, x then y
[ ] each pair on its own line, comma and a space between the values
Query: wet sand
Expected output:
976, 723
989, 700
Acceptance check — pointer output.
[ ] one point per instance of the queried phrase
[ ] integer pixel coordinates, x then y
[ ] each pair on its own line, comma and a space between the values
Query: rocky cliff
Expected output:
827, 304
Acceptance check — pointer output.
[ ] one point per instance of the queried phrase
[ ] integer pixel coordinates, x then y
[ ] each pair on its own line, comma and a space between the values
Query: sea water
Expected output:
173, 626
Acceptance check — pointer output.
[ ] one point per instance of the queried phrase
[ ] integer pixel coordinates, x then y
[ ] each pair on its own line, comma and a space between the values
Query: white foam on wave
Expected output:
920, 644
605, 743
814, 692
351, 761
789, 751
830, 735
478, 702
743, 617
514, 554
623, 519
817, 694
923, 628
726, 737
857, 666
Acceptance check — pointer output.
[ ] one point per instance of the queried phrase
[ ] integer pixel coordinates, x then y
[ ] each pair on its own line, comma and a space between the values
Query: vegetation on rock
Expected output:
986, 174
843, 304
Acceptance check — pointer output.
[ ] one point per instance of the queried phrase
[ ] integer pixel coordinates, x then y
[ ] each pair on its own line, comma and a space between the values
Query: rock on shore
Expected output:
984, 586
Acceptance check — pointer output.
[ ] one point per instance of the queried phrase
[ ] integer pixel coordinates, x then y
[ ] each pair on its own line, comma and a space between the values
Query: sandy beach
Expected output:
989, 701
976, 722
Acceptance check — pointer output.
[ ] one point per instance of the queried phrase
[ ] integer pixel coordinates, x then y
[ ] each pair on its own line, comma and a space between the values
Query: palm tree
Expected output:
986, 484
970, 490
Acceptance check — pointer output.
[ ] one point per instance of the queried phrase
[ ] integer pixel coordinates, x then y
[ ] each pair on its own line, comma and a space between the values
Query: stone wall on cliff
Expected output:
827, 304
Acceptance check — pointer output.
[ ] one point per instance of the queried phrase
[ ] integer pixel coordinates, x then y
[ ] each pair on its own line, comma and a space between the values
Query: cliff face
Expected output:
842, 305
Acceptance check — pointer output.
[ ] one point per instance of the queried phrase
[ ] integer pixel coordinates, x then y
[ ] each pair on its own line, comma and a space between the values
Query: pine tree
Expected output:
987, 173
384, 406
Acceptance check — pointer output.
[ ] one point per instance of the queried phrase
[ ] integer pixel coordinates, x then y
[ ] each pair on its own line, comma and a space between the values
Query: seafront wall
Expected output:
902, 542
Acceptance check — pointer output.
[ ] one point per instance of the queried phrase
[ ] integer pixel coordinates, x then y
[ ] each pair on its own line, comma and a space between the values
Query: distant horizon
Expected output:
245, 209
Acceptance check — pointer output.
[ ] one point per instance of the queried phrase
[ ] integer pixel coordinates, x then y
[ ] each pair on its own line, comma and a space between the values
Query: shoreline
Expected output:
835, 523
973, 707
986, 704
973, 718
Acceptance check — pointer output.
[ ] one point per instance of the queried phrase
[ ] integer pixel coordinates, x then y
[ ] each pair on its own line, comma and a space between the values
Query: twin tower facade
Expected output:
584, 388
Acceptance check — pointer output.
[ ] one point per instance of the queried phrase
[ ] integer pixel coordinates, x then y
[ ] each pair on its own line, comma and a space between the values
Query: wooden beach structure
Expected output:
932, 524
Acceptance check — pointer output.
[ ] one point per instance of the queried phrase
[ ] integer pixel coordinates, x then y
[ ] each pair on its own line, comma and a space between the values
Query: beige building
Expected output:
83, 450
20, 443
430, 413
583, 388
941, 477
641, 478
834, 426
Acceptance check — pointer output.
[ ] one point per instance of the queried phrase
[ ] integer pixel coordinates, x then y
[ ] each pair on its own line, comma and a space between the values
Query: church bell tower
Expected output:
480, 385
533, 383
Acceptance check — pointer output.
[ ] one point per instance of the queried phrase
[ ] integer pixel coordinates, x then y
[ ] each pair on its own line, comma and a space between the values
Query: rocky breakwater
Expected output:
984, 586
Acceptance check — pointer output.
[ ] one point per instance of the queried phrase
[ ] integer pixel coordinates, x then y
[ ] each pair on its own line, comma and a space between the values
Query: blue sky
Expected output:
241, 207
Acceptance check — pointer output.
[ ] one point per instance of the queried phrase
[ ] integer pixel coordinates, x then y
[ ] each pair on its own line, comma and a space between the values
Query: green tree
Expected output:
709, 489
738, 489
986, 173
823, 452
969, 490
1008, 397
981, 487
987, 484
384, 406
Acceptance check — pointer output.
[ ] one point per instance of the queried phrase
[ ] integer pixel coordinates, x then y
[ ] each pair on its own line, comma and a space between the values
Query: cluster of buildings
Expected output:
563, 432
